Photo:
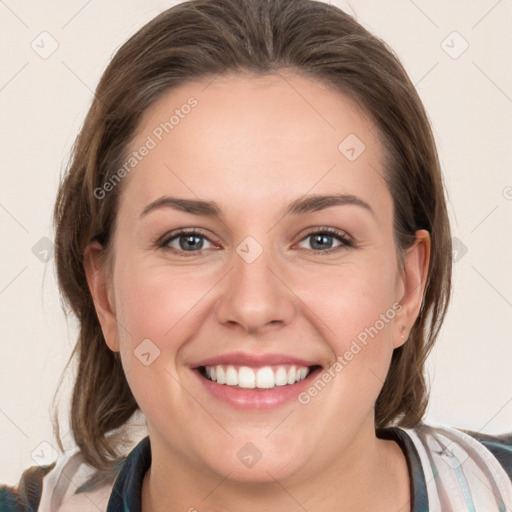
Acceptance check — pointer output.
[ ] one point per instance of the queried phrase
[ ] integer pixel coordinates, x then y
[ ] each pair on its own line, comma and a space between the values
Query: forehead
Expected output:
243, 137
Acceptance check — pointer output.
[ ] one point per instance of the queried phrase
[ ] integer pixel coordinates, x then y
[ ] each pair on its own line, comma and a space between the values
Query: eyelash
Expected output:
163, 242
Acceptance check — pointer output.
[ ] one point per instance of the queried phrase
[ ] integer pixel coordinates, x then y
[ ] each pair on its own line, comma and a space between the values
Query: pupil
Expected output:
321, 239
193, 241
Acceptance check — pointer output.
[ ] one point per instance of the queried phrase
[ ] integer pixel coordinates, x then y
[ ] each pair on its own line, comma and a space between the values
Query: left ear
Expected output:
413, 280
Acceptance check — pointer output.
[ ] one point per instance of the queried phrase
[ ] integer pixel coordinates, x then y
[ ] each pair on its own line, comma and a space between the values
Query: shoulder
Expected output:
492, 448
67, 484
464, 467
26, 495
499, 445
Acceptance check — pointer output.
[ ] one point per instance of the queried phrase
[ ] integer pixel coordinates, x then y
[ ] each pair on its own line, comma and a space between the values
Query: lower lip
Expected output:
256, 398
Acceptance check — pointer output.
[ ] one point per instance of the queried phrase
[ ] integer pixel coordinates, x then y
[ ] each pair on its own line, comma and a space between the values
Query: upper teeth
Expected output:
264, 378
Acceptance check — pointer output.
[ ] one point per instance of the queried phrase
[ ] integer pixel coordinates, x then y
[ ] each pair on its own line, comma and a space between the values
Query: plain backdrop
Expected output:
458, 54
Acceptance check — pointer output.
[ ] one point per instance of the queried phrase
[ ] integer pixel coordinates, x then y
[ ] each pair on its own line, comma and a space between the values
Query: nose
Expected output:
255, 296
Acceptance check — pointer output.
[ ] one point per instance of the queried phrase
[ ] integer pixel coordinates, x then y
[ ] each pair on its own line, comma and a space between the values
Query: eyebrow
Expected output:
307, 204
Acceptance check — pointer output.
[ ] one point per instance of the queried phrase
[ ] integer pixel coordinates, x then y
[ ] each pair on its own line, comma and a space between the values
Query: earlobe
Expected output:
100, 288
413, 282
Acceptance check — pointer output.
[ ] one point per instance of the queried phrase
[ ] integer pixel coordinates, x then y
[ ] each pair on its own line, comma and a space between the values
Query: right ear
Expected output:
101, 290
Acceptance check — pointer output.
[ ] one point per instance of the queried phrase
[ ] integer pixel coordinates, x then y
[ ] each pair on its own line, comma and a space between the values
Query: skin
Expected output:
253, 145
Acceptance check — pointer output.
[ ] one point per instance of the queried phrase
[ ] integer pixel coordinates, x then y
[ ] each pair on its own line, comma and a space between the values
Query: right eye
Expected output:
185, 241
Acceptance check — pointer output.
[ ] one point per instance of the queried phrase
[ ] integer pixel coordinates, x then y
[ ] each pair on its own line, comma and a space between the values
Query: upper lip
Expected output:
254, 360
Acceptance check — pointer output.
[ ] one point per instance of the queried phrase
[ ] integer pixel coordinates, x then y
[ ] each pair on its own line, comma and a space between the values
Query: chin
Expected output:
257, 459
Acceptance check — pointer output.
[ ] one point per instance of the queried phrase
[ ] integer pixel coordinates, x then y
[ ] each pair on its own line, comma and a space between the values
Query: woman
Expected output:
253, 235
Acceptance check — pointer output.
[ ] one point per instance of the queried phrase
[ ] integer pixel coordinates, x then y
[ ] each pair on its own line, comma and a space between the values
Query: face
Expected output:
232, 279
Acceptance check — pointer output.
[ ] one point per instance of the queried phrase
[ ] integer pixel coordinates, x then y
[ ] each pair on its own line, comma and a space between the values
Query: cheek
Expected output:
351, 299
355, 307
156, 310
155, 302
358, 323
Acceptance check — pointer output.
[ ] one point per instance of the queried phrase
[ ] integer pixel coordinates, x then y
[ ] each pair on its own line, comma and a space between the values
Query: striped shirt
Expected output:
450, 470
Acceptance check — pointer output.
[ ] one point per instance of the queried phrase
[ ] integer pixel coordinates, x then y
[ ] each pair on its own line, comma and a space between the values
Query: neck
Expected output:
342, 484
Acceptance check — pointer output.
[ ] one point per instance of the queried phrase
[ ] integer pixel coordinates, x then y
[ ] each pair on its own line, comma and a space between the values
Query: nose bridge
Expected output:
254, 296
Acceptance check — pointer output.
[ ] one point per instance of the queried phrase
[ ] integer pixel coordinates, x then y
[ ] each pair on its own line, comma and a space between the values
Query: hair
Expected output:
201, 39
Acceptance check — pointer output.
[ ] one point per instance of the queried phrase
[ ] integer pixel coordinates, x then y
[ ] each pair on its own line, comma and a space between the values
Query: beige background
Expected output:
469, 99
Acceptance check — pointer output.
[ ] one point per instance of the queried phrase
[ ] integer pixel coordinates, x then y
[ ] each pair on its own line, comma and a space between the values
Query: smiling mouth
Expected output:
265, 377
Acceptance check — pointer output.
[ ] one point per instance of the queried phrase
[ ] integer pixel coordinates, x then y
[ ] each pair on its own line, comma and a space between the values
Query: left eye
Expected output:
323, 240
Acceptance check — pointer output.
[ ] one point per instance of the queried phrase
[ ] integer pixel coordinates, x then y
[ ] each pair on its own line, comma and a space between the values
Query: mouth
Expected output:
255, 381
257, 378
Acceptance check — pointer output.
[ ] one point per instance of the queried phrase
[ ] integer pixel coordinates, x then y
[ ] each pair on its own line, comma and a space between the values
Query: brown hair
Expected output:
205, 38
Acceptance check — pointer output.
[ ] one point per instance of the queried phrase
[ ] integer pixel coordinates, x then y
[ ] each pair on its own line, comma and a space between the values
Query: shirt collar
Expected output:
418, 488
127, 491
